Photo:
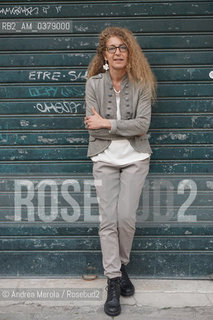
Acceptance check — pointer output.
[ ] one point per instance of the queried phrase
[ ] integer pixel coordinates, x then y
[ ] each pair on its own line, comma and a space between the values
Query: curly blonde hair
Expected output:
138, 68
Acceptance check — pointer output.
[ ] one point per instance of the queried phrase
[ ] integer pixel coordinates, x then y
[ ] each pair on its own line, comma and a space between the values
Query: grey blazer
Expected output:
135, 107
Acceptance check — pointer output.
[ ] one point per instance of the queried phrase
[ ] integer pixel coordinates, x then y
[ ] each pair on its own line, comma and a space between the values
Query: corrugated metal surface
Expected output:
48, 209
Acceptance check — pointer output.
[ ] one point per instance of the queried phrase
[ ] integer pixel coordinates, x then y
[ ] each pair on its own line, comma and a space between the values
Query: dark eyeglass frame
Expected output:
113, 49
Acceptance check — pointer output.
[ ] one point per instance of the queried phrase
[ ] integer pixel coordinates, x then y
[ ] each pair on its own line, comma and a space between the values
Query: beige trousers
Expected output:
118, 191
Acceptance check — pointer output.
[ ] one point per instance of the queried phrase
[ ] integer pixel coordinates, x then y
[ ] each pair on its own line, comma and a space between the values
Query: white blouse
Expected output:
120, 152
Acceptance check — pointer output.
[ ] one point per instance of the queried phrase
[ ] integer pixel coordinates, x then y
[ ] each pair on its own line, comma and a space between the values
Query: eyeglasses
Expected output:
113, 49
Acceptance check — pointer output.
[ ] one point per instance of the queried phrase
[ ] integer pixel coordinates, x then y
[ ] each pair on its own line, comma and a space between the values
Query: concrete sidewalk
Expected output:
53, 299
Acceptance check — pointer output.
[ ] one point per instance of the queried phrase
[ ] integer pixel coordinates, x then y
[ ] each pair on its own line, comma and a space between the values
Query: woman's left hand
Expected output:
96, 121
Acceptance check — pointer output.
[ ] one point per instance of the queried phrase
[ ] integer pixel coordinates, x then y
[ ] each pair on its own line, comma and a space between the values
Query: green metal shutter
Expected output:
45, 49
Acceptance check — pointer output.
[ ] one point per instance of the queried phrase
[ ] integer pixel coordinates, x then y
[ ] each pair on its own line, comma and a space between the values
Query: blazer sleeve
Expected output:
140, 124
91, 101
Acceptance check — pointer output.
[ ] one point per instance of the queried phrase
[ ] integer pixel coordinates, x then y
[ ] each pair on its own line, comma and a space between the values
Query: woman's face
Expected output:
118, 57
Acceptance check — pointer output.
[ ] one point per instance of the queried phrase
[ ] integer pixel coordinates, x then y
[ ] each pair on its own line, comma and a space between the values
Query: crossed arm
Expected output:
95, 121
108, 129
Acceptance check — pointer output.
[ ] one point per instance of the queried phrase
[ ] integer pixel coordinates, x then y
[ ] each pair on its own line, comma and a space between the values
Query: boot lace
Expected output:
113, 288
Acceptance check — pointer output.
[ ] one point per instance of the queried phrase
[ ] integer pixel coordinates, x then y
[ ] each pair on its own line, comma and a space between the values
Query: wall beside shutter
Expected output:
48, 207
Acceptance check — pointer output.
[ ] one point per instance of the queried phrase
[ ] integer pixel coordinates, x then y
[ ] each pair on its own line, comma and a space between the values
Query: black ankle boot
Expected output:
112, 305
126, 286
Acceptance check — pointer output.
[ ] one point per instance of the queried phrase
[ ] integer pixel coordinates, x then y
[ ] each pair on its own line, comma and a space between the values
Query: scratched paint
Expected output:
173, 136
24, 123
47, 140
209, 184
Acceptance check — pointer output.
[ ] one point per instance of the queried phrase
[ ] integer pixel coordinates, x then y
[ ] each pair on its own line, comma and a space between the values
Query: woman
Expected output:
119, 90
